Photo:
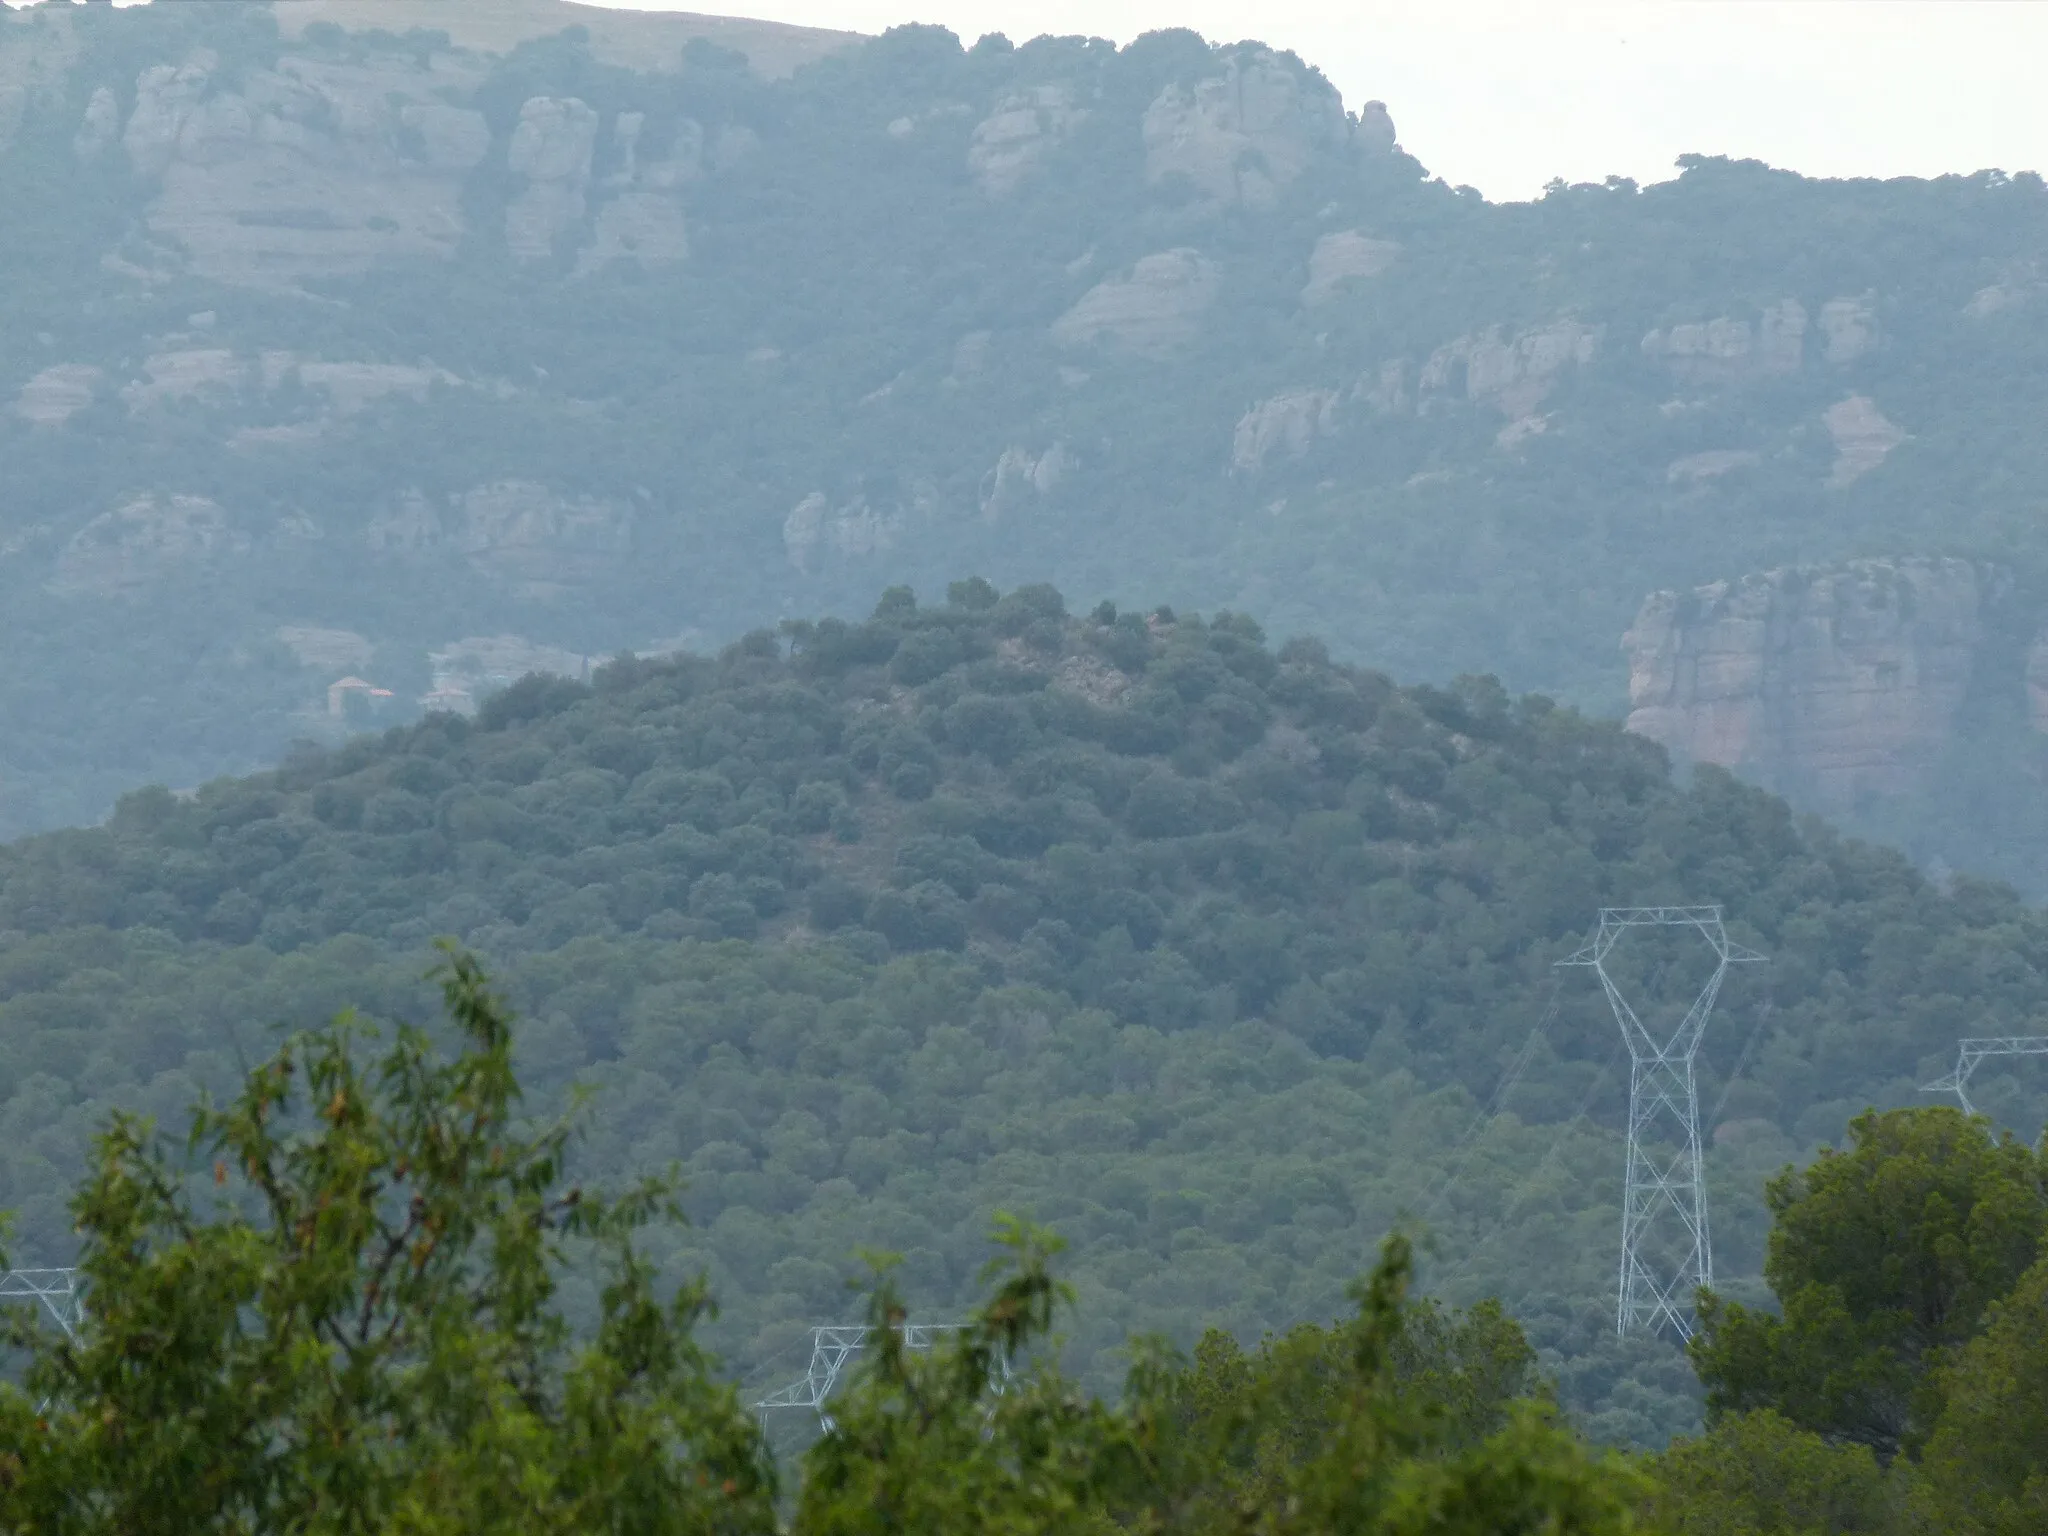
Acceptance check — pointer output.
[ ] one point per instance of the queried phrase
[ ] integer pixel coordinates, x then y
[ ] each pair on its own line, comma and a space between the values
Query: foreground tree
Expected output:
1759, 1473
1985, 1472
334, 1311
1886, 1258
1400, 1422
355, 1328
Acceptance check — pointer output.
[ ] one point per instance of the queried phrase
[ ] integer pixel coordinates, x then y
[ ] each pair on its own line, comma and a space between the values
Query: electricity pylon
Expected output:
1973, 1051
1667, 1250
57, 1290
832, 1348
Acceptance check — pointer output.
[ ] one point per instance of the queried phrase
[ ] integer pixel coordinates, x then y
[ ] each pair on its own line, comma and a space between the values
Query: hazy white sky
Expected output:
1506, 94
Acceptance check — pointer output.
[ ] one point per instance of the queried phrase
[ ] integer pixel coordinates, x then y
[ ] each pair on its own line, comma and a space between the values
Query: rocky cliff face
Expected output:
1836, 685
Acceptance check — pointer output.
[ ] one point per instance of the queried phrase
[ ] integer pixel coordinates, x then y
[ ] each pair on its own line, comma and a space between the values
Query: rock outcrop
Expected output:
141, 544
317, 168
1729, 350
1016, 136
57, 394
1342, 256
852, 529
1862, 437
1283, 426
2037, 683
1021, 478
1848, 328
1833, 685
1239, 137
1152, 311
519, 534
551, 148
1511, 373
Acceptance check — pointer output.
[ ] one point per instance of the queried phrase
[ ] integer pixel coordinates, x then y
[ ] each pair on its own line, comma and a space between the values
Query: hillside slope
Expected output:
1206, 952
399, 356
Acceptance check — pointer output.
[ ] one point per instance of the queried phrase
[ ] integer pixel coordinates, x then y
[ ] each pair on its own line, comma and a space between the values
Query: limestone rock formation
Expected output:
1862, 436
1284, 425
1152, 311
1021, 478
849, 530
57, 394
1848, 328
1835, 685
2037, 683
552, 149
1730, 350
539, 542
646, 227
1341, 256
527, 537
36, 50
1011, 141
142, 543
316, 168
1510, 373
1710, 465
1242, 135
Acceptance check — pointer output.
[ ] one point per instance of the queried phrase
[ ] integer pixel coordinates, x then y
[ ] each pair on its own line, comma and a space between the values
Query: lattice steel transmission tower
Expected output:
1666, 1248
832, 1348
57, 1289
1973, 1051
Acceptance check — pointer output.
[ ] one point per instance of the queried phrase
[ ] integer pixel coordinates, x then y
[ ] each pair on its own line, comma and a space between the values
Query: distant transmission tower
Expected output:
57, 1290
1666, 1250
832, 1349
1974, 1051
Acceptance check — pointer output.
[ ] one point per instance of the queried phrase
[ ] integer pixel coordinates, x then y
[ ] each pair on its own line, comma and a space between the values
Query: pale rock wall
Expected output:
814, 527
1729, 350
1242, 135
1511, 373
539, 542
1021, 478
1862, 436
315, 169
142, 543
1016, 136
37, 51
57, 394
1848, 328
524, 536
1710, 465
1837, 684
2037, 683
552, 149
1153, 310
1285, 425
1342, 256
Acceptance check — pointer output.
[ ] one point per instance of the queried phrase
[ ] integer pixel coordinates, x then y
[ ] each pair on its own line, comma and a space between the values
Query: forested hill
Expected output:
1203, 951
345, 342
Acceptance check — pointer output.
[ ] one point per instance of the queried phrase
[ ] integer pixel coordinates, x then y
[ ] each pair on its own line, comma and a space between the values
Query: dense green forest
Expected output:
600, 358
355, 1321
1213, 955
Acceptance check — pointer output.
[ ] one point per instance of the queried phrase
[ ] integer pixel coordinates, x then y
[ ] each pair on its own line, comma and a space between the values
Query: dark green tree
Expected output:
1885, 1258
356, 1330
